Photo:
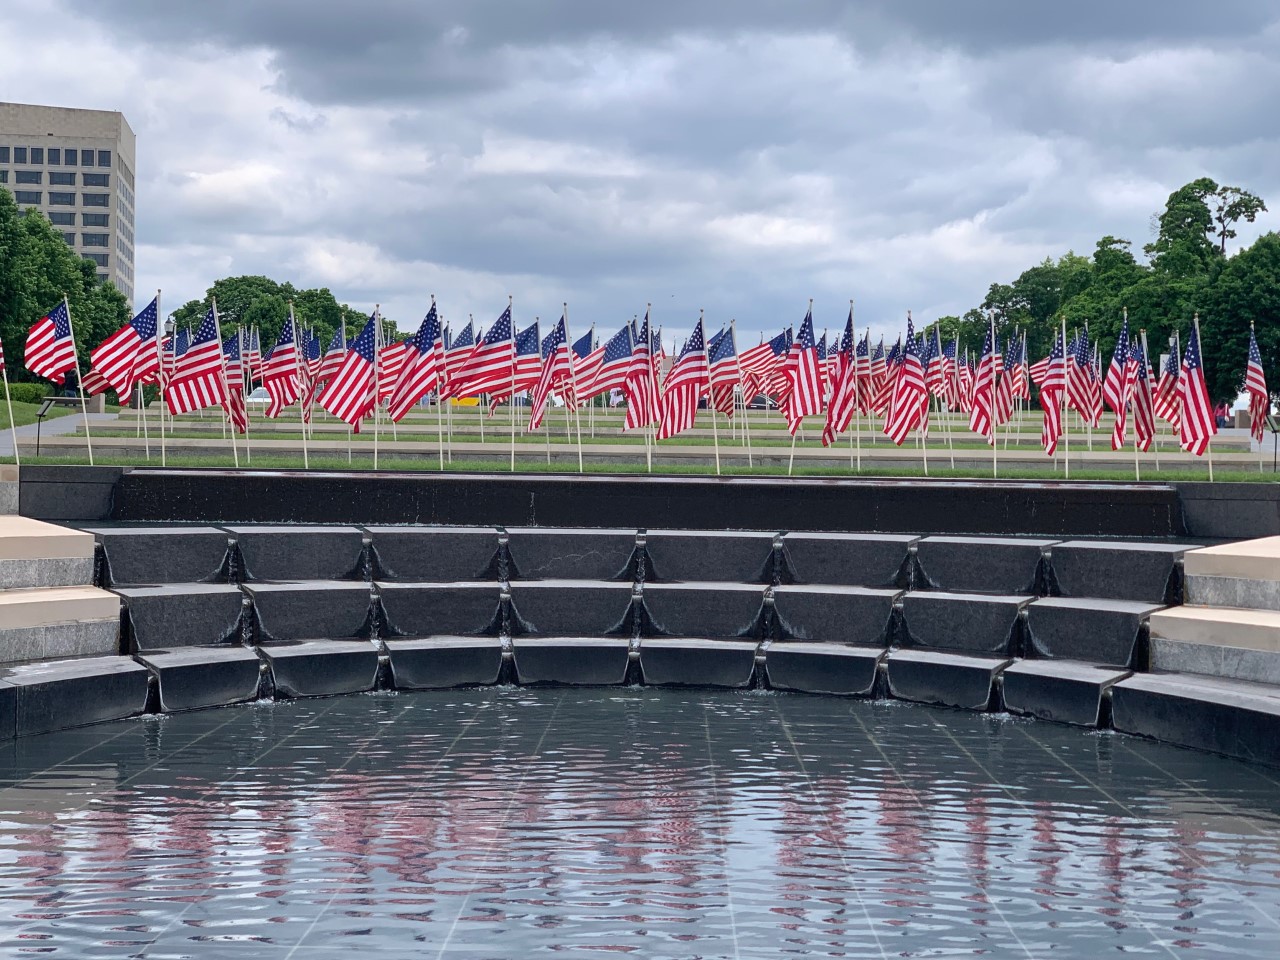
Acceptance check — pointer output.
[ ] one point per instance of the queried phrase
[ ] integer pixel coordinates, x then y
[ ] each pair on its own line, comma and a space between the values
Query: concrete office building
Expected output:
77, 168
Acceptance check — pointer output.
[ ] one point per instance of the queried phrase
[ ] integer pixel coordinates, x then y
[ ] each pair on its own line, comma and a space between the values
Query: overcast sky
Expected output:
738, 156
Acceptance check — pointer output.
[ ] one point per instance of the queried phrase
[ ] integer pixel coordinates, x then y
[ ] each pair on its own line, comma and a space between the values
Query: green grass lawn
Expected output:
25, 413
363, 460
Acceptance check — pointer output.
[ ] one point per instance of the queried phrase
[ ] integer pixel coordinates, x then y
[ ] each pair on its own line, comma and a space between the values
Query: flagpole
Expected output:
160, 325
1066, 431
13, 428
742, 394
226, 383
1208, 449
1155, 428
511, 400
377, 355
573, 385
652, 426
711, 400
1268, 409
84, 406
242, 342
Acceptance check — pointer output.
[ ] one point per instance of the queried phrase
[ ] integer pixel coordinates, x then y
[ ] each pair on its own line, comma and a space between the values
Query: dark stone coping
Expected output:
289, 552
162, 554
697, 662
1057, 509
1060, 690
310, 609
1116, 570
566, 608
466, 608
561, 553
949, 679
181, 614
962, 622
434, 553
728, 610
194, 677
736, 556
829, 668
1087, 629
439, 663
981, 564
857, 559
321, 668
576, 661
841, 614
58, 694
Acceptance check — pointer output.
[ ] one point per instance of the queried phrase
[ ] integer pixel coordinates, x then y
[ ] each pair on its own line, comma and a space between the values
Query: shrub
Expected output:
28, 392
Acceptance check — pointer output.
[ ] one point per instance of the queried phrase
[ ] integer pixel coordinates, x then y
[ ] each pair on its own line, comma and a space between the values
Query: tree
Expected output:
37, 269
262, 302
1230, 205
1247, 291
1184, 244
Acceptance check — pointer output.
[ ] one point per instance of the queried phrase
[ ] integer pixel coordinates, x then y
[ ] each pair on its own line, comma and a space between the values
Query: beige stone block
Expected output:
1248, 559
34, 608
22, 538
1222, 626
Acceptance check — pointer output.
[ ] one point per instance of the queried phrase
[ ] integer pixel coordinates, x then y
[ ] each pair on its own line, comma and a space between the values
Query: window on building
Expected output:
86, 158
94, 219
4, 176
94, 239
59, 179
37, 156
103, 277
70, 238
99, 258
27, 196
61, 219
96, 179
62, 200
19, 154
28, 176
95, 199
4, 154
104, 158
55, 156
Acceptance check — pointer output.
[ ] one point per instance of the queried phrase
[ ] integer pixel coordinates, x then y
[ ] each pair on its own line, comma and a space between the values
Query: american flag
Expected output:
910, 393
933, 375
556, 371
1117, 388
234, 404
587, 358
1119, 381
686, 383
94, 383
1052, 386
253, 356
50, 351
423, 366
879, 368
725, 372
824, 379
491, 364
862, 372
130, 352
280, 370
1002, 395
1197, 424
659, 355
981, 419
1255, 383
1021, 386
639, 387
757, 363
1144, 421
308, 372
456, 351
1, 356
199, 377
844, 387
1079, 366
391, 359
1165, 401
528, 365
332, 359
951, 374
882, 399
1095, 385
803, 398
615, 361
349, 396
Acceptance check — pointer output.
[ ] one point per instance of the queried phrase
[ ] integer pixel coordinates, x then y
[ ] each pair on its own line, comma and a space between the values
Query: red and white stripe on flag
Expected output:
1255, 383
688, 380
1197, 425
50, 351
349, 396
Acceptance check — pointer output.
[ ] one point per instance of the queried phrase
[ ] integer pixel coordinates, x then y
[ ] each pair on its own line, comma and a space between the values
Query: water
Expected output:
591, 823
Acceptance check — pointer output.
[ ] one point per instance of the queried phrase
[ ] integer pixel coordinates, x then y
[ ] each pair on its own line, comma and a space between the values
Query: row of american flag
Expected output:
350, 379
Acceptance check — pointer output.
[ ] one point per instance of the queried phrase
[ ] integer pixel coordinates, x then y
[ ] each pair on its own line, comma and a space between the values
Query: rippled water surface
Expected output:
591, 823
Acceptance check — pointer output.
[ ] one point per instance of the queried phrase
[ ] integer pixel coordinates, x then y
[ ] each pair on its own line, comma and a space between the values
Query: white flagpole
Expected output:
1208, 450
142, 415
226, 383
742, 394
1066, 432
242, 342
377, 355
84, 406
511, 400
1155, 427
300, 363
573, 381
653, 380
4, 372
160, 377
711, 400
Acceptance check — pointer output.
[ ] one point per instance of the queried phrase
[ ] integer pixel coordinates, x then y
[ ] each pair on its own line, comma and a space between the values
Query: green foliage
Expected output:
28, 392
37, 269
1188, 273
263, 303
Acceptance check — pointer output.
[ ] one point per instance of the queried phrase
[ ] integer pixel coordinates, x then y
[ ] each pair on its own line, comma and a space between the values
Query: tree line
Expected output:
1188, 270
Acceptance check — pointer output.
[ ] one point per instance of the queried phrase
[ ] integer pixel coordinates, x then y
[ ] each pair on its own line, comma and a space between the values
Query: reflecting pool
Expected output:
509, 822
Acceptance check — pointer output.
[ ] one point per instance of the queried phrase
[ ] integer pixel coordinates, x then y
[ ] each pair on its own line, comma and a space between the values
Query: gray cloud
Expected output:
735, 157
